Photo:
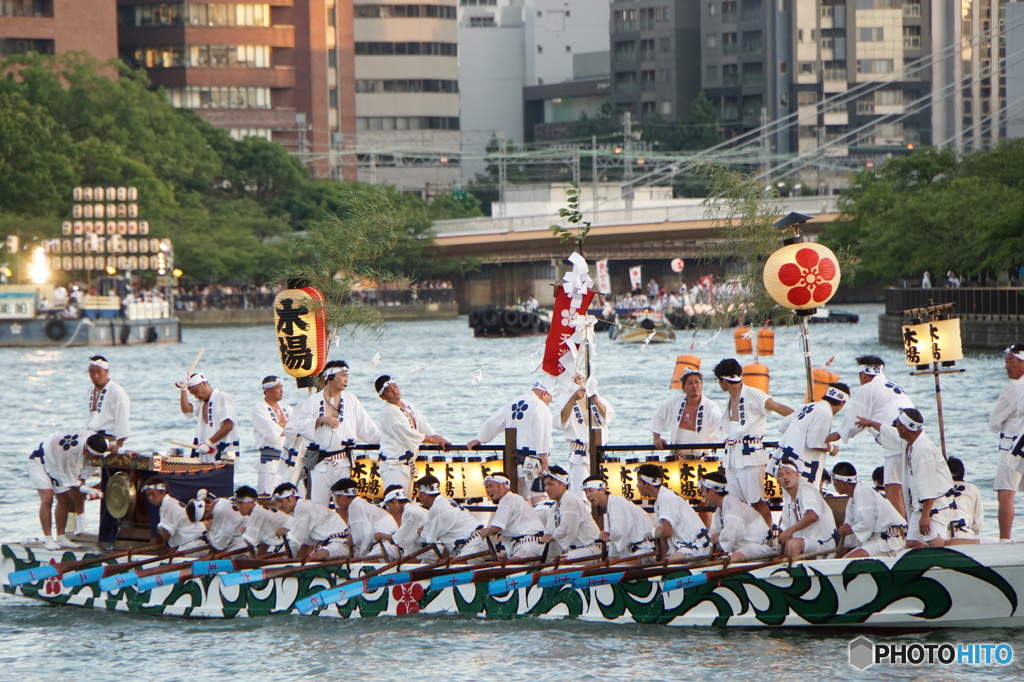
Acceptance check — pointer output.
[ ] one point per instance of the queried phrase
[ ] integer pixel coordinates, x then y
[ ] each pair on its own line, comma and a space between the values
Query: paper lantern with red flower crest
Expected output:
802, 276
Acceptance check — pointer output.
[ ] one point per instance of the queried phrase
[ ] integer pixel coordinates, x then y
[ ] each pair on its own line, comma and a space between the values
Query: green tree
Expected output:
602, 124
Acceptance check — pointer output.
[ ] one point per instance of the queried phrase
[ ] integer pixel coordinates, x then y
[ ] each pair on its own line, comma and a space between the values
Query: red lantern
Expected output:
802, 276
301, 323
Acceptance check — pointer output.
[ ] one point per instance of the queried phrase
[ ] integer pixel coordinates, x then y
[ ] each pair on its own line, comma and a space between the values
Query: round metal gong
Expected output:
120, 495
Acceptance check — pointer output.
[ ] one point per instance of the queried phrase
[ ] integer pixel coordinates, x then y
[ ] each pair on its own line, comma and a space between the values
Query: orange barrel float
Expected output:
766, 342
743, 344
756, 375
822, 378
683, 363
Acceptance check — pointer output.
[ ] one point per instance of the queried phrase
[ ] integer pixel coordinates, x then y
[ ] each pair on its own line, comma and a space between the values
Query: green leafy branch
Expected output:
574, 216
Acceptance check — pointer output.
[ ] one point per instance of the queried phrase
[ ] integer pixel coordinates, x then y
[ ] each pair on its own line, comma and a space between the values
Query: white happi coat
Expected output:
262, 524
407, 536
689, 534
802, 432
708, 422
531, 419
1007, 419
868, 513
928, 476
627, 524
738, 525
448, 523
267, 432
356, 425
109, 411
64, 458
970, 505
365, 519
879, 400
184, 534
517, 518
577, 427
748, 451
807, 498
571, 524
401, 434
210, 415
312, 523
226, 527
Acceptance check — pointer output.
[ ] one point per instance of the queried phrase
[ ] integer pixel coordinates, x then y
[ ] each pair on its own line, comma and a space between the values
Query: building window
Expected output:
648, 81
871, 34
711, 41
666, 75
12, 46
729, 43
912, 37
407, 123
406, 85
666, 108
911, 8
409, 11
540, 49
205, 96
753, 74
711, 73
752, 42
665, 44
624, 20
807, 68
730, 74
402, 49
806, 98
874, 66
624, 51
729, 12
332, 99
26, 8
647, 50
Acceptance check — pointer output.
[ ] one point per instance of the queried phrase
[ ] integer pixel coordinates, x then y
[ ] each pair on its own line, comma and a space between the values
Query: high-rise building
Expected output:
48, 27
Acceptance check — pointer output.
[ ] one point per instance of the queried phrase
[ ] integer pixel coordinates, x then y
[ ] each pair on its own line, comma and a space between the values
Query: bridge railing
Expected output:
636, 216
990, 302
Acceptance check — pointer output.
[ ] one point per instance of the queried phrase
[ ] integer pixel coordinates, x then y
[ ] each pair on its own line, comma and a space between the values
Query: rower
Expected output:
216, 431
873, 526
313, 529
745, 421
735, 526
224, 523
174, 527
678, 529
515, 519
808, 524
628, 528
689, 417
261, 524
410, 517
807, 435
928, 489
403, 429
969, 501
54, 468
109, 410
332, 421
879, 399
364, 520
447, 523
571, 527
530, 416
269, 419
576, 426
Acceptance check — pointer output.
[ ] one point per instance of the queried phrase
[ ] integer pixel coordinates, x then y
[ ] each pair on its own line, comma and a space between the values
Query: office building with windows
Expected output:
49, 27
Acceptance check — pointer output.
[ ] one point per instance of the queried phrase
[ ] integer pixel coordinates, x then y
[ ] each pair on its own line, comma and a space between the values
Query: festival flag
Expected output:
604, 278
569, 319
635, 280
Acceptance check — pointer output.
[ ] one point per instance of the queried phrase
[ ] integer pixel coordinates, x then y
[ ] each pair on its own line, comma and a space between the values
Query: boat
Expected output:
970, 586
642, 326
494, 321
828, 315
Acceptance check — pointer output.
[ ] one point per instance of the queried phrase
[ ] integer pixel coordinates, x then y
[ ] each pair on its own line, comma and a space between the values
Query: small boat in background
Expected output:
637, 326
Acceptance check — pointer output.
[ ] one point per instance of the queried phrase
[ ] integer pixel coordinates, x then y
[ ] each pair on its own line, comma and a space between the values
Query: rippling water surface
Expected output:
435, 363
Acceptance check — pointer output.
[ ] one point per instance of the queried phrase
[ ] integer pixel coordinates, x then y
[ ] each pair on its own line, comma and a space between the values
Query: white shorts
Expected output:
939, 525
41, 480
756, 551
746, 484
525, 549
812, 545
337, 548
876, 545
583, 552
893, 470
1008, 479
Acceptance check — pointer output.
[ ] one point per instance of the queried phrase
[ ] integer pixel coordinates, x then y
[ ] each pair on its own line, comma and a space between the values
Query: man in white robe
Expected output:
447, 523
410, 518
571, 526
269, 419
514, 520
968, 500
261, 524
403, 429
314, 529
364, 519
807, 523
682, 534
873, 527
54, 468
225, 525
689, 417
807, 435
174, 528
216, 434
735, 527
576, 424
1007, 419
628, 528
109, 414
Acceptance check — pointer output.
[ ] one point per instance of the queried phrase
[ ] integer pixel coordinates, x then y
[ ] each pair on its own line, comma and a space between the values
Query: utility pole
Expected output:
766, 163
502, 177
595, 183
627, 121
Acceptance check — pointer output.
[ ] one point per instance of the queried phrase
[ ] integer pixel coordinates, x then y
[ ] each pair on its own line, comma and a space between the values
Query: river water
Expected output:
435, 363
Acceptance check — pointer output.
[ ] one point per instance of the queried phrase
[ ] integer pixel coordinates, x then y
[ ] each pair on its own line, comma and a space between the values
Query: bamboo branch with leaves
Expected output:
574, 216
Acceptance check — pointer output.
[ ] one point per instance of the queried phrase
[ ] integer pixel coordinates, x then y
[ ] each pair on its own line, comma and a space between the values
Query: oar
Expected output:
721, 574
53, 569
353, 587
565, 576
511, 582
480, 573
195, 362
119, 580
213, 566
614, 576
421, 573
172, 574
256, 575
91, 575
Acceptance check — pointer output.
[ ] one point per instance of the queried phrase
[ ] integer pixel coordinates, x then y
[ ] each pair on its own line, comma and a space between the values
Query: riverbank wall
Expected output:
265, 316
991, 318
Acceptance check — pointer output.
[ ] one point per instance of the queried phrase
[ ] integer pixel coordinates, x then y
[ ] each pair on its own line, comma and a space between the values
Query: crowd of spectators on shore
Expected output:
227, 297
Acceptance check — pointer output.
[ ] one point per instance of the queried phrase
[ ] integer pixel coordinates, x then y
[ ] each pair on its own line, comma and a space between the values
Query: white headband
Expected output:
712, 485
789, 465
1017, 354
497, 478
387, 384
836, 394
909, 423
732, 379
542, 386
844, 479
243, 498
154, 486
199, 504
596, 484
102, 364
290, 492
331, 371
650, 481
429, 488
278, 381
872, 370
396, 495
196, 379
561, 478
347, 492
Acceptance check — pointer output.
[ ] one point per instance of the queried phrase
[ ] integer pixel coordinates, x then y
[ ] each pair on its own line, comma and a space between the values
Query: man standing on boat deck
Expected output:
628, 530
1007, 419
571, 526
880, 400
735, 527
332, 421
109, 411
514, 520
174, 527
576, 426
807, 435
217, 421
929, 494
403, 428
54, 468
873, 527
676, 525
747, 419
269, 419
312, 528
364, 519
447, 523
530, 417
689, 417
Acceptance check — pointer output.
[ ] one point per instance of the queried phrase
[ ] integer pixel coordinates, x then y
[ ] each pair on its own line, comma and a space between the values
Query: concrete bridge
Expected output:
520, 256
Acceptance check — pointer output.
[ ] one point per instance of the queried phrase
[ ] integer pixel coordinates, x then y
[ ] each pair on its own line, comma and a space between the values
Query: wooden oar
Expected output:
195, 362
256, 575
54, 569
510, 581
213, 566
421, 573
91, 575
119, 580
481, 572
722, 574
175, 573
564, 576
614, 576
353, 587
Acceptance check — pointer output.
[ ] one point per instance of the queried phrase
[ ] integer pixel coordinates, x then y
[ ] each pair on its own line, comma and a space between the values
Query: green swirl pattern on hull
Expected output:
975, 586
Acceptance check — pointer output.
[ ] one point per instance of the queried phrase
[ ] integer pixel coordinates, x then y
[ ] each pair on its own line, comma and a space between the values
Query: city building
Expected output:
48, 27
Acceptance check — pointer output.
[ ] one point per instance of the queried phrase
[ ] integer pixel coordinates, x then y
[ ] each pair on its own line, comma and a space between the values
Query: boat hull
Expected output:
57, 333
924, 588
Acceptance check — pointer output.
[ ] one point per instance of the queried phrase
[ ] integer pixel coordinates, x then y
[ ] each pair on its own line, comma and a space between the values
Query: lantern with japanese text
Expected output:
301, 323
935, 341
802, 275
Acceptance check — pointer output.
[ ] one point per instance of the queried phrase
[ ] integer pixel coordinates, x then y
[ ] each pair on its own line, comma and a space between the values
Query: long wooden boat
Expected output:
970, 586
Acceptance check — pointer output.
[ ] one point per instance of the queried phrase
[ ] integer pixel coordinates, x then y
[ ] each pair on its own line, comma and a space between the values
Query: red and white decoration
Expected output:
571, 327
